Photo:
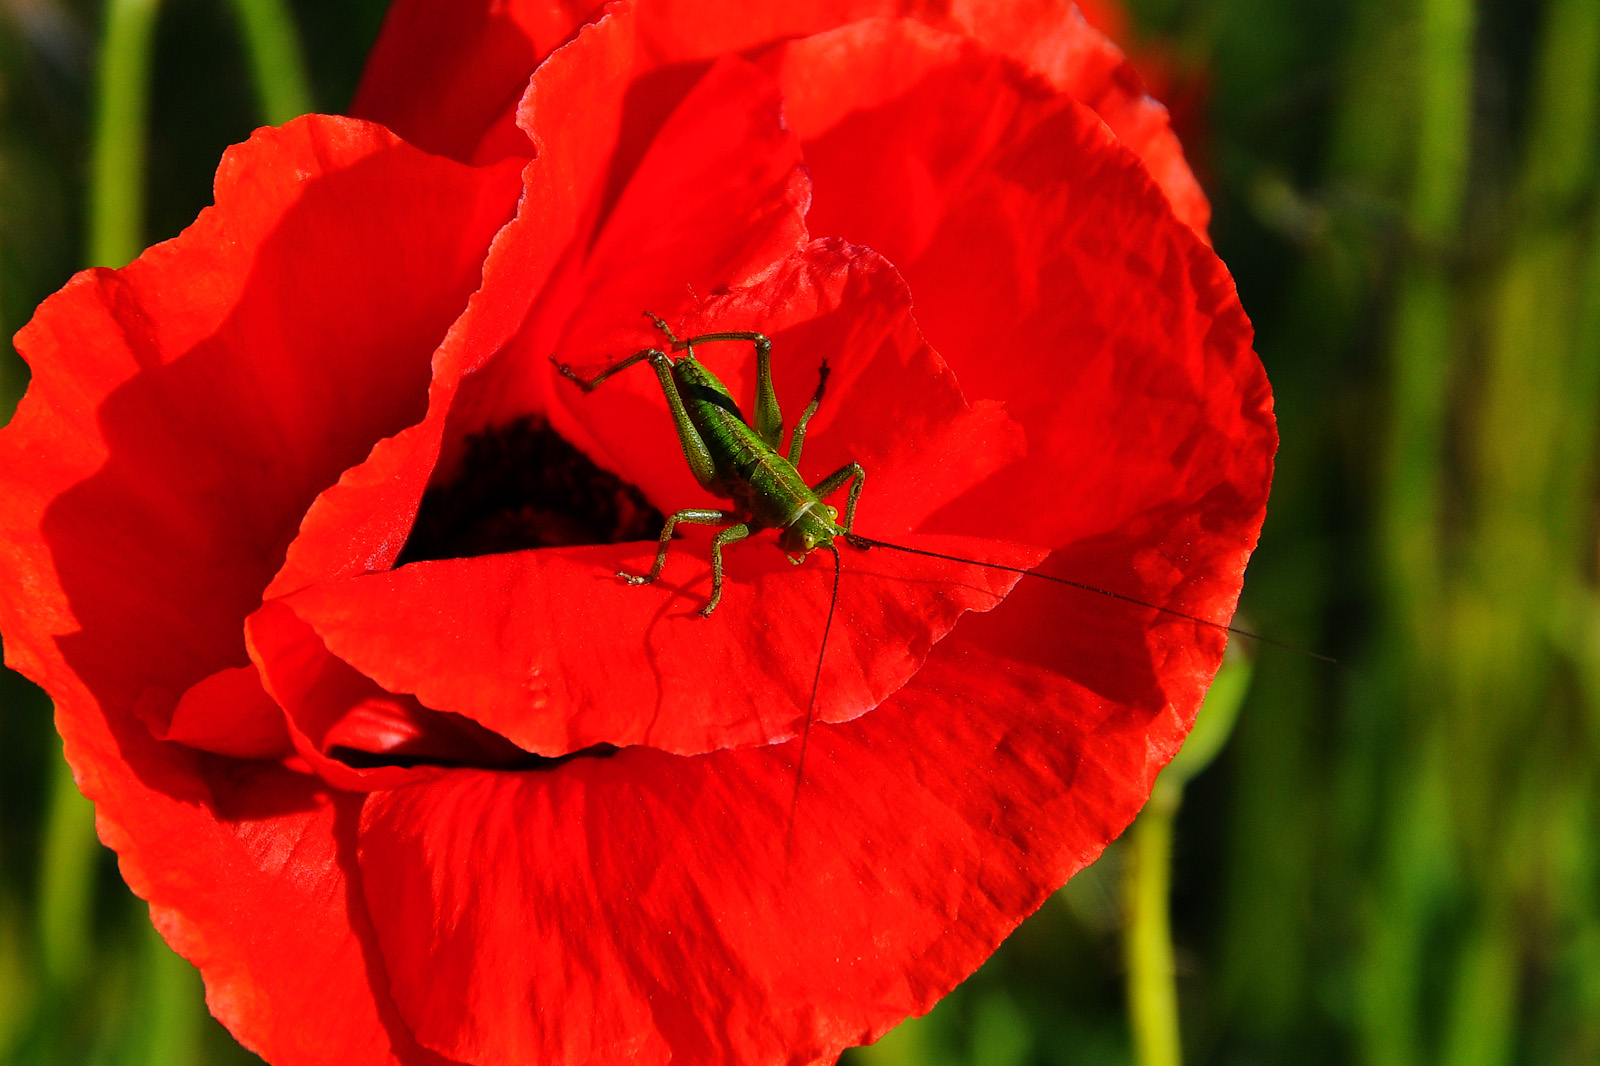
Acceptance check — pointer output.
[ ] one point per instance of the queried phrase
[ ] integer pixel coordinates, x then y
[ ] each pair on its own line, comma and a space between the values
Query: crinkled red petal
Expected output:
467, 53
1053, 39
360, 524
218, 846
443, 74
1139, 325
717, 198
333, 710
1112, 333
228, 713
550, 650
900, 122
644, 906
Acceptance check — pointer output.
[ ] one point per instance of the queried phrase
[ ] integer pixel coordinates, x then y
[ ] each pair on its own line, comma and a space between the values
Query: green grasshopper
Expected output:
738, 461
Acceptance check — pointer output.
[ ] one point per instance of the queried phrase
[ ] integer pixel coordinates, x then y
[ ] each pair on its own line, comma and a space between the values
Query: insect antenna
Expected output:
811, 708
857, 541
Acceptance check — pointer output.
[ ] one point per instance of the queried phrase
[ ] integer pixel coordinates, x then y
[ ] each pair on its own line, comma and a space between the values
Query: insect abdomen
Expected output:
760, 480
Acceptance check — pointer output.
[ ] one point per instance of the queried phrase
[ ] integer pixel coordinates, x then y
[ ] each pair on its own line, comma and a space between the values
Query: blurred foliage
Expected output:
1395, 862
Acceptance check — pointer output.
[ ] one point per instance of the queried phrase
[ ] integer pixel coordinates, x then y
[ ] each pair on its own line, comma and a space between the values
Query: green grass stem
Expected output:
277, 62
176, 1009
1148, 953
121, 121
1147, 943
66, 880
1445, 34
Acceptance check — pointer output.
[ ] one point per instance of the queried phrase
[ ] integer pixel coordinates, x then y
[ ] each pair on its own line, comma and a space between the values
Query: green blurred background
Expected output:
1391, 862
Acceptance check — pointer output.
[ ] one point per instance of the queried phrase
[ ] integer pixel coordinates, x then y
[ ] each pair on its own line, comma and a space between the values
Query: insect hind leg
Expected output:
768, 416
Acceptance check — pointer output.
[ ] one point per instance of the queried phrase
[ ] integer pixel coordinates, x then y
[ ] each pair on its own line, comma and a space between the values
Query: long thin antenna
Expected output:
857, 541
811, 708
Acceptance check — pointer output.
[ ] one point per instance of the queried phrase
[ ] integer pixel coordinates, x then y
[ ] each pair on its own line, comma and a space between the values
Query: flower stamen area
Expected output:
522, 485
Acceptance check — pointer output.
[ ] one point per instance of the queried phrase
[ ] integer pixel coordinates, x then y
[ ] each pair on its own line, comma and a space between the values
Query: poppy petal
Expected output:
469, 54
548, 649
1158, 319
596, 911
442, 75
1049, 37
1053, 39
228, 713
207, 840
279, 843
353, 733
181, 412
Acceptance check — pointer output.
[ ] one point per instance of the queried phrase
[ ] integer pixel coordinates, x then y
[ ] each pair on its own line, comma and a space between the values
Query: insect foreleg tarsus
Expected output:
836, 481
661, 324
694, 446
590, 384
693, 516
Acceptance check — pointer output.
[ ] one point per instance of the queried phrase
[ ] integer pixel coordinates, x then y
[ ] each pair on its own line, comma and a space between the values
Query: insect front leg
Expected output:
693, 516
836, 481
590, 384
797, 441
721, 540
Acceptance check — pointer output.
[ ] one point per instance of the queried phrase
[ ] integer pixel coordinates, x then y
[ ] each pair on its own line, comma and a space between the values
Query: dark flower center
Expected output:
497, 759
522, 485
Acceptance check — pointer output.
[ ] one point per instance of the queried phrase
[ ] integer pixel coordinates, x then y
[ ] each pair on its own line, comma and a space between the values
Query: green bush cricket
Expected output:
738, 461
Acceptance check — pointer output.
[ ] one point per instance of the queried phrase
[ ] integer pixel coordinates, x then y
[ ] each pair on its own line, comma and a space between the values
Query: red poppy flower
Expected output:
315, 552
